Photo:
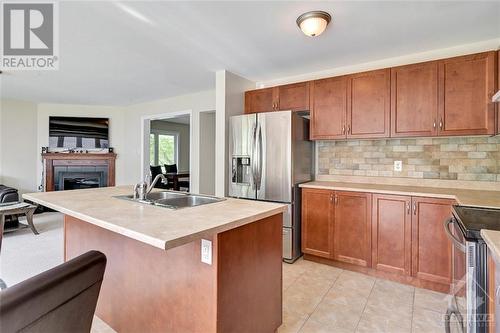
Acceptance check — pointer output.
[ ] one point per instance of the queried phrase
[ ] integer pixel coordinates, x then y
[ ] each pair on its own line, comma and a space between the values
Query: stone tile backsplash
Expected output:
455, 158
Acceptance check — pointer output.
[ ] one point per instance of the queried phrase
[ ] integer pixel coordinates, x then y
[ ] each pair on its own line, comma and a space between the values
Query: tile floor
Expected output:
319, 298
322, 299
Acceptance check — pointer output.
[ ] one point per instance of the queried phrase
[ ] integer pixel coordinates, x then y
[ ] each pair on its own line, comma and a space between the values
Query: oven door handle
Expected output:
459, 245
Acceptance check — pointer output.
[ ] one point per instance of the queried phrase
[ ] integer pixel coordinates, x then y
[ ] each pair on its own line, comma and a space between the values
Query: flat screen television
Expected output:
78, 132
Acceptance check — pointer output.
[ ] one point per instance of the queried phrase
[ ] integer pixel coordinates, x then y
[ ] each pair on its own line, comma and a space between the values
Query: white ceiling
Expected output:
110, 57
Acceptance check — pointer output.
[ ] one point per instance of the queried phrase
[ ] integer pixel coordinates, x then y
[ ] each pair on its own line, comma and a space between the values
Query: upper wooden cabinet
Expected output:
431, 248
414, 100
391, 233
352, 235
368, 112
293, 97
353, 106
329, 108
445, 97
317, 222
261, 100
467, 86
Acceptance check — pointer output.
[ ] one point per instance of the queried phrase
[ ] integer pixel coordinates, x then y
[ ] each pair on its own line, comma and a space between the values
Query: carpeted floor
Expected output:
24, 254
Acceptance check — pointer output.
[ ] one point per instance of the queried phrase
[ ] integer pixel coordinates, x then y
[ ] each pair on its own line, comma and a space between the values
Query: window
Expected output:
163, 147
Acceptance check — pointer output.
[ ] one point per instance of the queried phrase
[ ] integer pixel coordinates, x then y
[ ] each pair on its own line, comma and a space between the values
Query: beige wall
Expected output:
19, 155
230, 101
184, 140
207, 153
136, 116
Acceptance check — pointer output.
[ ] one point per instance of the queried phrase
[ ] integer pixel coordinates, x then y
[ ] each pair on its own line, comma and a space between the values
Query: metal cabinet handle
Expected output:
408, 208
441, 123
336, 199
348, 129
414, 208
434, 124
343, 129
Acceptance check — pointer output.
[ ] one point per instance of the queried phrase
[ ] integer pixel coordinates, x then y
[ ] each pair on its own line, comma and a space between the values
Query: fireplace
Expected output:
74, 180
70, 171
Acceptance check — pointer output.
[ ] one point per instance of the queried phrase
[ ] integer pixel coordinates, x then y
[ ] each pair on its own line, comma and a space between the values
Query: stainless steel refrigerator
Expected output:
270, 155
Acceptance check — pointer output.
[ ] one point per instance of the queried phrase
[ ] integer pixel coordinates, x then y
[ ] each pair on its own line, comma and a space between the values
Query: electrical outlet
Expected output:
206, 251
398, 166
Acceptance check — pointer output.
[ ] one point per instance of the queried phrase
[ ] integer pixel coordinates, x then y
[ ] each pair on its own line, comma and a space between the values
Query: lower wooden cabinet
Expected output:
431, 248
391, 233
352, 225
396, 234
317, 222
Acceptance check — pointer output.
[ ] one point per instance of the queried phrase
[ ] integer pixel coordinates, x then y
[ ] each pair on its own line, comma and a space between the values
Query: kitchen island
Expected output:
155, 279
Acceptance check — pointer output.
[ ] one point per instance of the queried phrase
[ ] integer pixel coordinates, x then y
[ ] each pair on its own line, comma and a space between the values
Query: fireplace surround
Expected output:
64, 171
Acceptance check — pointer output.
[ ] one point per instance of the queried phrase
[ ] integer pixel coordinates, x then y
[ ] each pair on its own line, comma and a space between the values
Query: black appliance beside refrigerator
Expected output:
468, 301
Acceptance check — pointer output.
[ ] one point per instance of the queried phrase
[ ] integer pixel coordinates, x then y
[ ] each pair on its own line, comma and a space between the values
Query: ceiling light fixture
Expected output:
313, 23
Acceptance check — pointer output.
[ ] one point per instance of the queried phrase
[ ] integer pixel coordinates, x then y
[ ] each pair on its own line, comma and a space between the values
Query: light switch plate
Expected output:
206, 251
398, 166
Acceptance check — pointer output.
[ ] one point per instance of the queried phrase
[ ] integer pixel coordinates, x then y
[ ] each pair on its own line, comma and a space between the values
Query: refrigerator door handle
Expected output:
254, 156
259, 156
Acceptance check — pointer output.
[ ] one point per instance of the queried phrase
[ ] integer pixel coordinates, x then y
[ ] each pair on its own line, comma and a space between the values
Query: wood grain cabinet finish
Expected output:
431, 248
391, 233
261, 100
294, 97
317, 222
369, 105
414, 100
468, 84
352, 225
329, 108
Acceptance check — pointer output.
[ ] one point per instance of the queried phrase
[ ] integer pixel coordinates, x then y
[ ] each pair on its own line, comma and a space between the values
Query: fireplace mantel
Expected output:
51, 160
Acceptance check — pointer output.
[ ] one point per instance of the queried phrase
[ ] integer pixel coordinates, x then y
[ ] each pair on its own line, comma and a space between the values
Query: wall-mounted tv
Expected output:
78, 132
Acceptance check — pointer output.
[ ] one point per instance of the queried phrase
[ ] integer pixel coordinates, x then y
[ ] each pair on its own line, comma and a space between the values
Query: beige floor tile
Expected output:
292, 321
431, 300
427, 321
385, 323
338, 315
289, 279
353, 283
302, 301
393, 287
312, 326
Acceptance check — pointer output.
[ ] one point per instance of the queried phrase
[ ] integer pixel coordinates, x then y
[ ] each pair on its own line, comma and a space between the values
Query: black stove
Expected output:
472, 219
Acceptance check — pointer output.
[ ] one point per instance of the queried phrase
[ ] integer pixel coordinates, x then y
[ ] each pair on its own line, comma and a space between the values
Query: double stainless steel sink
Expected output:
173, 200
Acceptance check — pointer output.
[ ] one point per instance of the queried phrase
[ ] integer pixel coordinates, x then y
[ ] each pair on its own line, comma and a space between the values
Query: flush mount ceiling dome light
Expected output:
313, 23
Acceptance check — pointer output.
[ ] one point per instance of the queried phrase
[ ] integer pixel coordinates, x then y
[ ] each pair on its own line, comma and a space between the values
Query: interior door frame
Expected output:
146, 130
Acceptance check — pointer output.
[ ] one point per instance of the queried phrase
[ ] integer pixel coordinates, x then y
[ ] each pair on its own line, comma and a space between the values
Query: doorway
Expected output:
167, 149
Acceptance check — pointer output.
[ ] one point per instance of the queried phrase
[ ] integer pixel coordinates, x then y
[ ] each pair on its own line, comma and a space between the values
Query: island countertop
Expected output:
157, 226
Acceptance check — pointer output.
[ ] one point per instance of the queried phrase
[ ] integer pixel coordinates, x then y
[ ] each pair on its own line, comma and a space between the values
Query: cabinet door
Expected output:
369, 105
414, 100
294, 97
391, 233
431, 248
261, 100
317, 222
328, 108
352, 224
467, 85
